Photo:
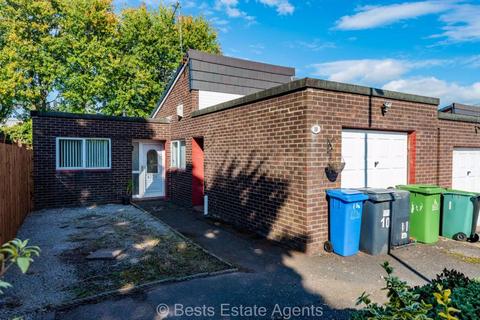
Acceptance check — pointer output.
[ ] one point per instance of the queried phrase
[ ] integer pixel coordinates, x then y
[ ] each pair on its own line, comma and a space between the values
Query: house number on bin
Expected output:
386, 219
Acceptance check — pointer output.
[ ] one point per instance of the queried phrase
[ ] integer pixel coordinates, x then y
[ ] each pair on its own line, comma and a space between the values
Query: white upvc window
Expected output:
178, 154
83, 153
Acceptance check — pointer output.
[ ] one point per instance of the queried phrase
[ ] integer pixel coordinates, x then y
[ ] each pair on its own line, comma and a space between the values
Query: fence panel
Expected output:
16, 188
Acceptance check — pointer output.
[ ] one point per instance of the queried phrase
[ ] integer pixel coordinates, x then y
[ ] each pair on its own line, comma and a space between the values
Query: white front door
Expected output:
374, 158
152, 170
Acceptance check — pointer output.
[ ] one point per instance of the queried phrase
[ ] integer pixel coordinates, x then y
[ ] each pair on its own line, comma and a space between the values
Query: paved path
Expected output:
270, 276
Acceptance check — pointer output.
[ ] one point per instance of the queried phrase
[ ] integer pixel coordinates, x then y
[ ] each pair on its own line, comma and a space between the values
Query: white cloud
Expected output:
376, 16
462, 23
230, 7
473, 61
257, 48
448, 92
283, 7
314, 45
369, 71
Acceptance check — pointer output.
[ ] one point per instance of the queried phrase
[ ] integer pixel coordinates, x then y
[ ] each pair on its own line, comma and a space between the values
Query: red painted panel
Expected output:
197, 171
412, 156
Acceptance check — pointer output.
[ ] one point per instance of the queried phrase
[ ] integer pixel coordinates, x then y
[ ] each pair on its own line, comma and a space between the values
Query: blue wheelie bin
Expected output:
346, 207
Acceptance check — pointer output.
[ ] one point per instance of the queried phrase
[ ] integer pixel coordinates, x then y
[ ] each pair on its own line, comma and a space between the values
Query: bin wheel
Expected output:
460, 236
327, 246
474, 238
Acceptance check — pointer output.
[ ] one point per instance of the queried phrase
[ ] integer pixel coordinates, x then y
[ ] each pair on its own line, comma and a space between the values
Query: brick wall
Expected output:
335, 111
454, 134
265, 170
254, 162
71, 188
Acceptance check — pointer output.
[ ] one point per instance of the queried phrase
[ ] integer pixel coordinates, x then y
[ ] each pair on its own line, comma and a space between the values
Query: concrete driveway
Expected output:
273, 279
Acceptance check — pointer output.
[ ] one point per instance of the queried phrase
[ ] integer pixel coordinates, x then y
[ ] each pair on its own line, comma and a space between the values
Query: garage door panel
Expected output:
353, 153
386, 158
466, 169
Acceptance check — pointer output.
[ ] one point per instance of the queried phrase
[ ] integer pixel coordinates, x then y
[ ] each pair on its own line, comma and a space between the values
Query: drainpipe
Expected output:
205, 205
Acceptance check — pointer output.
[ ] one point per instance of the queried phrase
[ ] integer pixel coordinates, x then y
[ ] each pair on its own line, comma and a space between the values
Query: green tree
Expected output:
86, 35
150, 46
81, 56
28, 64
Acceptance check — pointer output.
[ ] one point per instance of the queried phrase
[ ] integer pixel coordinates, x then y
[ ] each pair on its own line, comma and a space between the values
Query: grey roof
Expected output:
305, 83
211, 72
462, 109
219, 73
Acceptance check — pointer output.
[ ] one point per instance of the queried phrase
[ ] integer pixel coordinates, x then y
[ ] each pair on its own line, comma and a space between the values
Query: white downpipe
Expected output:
205, 205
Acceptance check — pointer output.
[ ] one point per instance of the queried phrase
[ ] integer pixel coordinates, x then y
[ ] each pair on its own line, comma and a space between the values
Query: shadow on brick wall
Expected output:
244, 194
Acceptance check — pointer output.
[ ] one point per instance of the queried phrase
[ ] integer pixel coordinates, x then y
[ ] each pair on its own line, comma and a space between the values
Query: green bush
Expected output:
451, 295
15, 252
20, 133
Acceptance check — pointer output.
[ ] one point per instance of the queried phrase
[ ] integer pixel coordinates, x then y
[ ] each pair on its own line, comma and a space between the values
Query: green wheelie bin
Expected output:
459, 215
425, 202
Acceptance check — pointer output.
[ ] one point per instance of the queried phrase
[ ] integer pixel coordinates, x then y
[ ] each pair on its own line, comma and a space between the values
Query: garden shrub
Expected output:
451, 295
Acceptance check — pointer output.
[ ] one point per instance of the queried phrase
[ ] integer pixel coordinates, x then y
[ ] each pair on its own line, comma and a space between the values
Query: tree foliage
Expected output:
82, 56
28, 54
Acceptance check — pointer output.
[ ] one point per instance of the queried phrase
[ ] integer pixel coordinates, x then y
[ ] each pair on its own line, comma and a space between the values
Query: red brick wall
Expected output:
254, 162
454, 134
179, 186
335, 111
265, 170
71, 188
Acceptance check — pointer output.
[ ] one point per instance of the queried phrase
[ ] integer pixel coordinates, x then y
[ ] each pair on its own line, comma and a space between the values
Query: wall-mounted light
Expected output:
387, 105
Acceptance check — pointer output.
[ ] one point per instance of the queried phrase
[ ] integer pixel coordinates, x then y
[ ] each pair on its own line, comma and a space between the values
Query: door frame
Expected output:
141, 173
198, 171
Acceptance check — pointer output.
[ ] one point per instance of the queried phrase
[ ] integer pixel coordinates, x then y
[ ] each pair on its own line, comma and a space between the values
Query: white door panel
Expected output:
374, 159
353, 153
466, 170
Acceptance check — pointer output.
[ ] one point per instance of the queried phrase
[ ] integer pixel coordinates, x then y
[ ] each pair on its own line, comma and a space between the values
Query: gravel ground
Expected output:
150, 251
45, 229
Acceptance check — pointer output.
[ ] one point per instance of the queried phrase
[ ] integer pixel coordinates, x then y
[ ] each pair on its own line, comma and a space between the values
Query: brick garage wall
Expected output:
335, 111
254, 162
454, 134
265, 170
72, 188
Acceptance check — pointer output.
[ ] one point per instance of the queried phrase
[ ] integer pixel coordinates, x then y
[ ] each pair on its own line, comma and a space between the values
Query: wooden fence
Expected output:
16, 188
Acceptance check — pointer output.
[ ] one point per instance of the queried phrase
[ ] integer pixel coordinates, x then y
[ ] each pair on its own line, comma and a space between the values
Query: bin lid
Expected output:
378, 194
347, 195
461, 193
422, 188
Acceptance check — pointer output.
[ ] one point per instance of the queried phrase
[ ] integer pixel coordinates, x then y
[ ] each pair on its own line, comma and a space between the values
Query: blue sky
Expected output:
425, 47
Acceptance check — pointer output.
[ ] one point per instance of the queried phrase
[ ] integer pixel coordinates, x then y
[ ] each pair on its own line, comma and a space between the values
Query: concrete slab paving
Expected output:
104, 254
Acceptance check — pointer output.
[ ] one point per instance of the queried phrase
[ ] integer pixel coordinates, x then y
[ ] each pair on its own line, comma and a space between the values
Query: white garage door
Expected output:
374, 158
466, 169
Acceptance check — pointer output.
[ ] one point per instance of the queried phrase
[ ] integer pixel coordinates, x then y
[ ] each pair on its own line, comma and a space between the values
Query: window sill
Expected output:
177, 170
82, 170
